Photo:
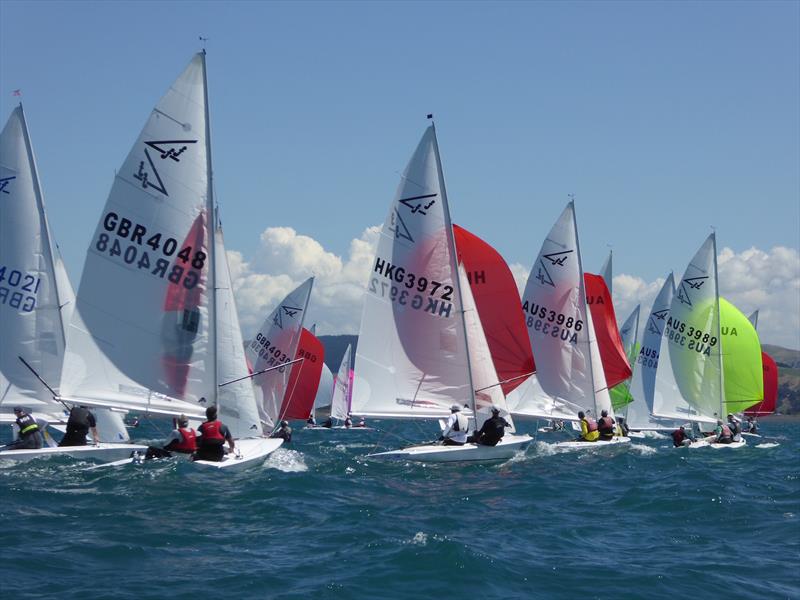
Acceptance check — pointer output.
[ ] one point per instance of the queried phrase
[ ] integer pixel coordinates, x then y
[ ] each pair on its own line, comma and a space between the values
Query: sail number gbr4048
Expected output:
135, 252
411, 289
551, 322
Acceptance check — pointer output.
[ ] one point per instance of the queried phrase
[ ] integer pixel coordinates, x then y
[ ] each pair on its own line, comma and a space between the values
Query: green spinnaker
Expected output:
741, 359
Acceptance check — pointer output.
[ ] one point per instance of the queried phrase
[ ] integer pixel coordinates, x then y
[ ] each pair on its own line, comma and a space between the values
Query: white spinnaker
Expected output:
341, 388
276, 343
693, 332
237, 402
559, 325
488, 392
30, 320
141, 331
411, 359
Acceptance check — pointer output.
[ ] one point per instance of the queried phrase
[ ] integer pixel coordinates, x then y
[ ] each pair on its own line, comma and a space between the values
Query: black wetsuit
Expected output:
491, 432
30, 438
78, 426
283, 432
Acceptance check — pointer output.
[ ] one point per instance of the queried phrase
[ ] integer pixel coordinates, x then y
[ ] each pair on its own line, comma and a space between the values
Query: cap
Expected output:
284, 423
495, 410
455, 408
19, 409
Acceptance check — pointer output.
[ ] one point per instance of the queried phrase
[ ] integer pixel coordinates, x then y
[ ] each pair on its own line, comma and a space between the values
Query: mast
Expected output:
451, 244
37, 189
212, 234
582, 300
719, 327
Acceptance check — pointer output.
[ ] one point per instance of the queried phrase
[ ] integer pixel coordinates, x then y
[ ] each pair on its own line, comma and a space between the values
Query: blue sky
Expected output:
663, 118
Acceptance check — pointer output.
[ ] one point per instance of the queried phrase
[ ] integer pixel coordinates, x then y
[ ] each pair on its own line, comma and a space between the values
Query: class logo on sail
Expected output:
693, 283
419, 204
4, 181
652, 325
167, 150
289, 311
399, 229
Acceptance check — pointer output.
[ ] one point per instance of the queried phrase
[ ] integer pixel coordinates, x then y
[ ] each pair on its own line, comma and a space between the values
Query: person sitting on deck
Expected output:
284, 432
455, 432
214, 435
328, 423
361, 423
311, 421
589, 431
183, 438
622, 426
348, 422
736, 428
752, 425
29, 435
605, 426
492, 430
723, 433
81, 421
681, 438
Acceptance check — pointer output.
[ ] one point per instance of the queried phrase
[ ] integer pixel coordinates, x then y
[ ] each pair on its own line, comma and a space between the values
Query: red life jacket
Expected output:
188, 441
211, 433
608, 423
591, 424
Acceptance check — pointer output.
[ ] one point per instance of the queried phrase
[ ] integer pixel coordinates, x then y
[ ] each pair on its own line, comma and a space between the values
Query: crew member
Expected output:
723, 433
589, 431
311, 421
736, 428
605, 426
348, 422
284, 432
681, 438
29, 436
213, 434
81, 421
183, 438
455, 432
492, 430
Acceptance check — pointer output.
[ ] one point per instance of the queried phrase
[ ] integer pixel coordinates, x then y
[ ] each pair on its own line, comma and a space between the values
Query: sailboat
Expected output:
421, 345
770, 377
36, 299
304, 380
565, 347
156, 327
695, 339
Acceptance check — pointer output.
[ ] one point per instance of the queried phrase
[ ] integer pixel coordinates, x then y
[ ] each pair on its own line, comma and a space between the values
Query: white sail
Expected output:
341, 388
559, 323
693, 331
325, 389
753, 318
411, 359
275, 344
142, 333
236, 397
606, 271
488, 393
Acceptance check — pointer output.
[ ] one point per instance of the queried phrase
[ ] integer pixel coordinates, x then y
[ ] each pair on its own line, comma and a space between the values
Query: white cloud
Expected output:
753, 279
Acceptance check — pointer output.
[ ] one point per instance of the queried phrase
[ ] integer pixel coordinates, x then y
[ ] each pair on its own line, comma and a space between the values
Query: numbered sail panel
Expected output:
497, 298
144, 293
556, 317
30, 318
340, 402
693, 332
274, 345
741, 359
304, 380
411, 357
237, 402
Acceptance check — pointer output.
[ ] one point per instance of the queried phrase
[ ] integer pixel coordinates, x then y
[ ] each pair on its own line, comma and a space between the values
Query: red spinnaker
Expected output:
615, 363
770, 402
497, 298
182, 318
304, 378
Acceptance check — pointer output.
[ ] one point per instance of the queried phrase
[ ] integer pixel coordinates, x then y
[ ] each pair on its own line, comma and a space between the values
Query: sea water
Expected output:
319, 520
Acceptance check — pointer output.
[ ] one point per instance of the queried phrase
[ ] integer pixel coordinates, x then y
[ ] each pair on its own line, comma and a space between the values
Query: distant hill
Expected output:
788, 362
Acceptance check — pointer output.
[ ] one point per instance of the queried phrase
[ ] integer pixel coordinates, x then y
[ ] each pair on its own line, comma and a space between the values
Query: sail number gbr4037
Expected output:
135, 253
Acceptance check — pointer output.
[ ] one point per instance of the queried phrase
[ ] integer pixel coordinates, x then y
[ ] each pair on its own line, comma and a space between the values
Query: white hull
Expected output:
707, 443
251, 451
318, 427
639, 435
752, 435
103, 452
576, 445
508, 446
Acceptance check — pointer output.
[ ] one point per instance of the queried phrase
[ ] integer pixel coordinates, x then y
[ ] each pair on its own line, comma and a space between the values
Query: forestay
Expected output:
560, 326
411, 359
149, 256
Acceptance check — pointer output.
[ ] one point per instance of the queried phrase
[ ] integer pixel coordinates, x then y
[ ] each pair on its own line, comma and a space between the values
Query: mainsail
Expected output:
274, 345
559, 324
340, 402
411, 359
